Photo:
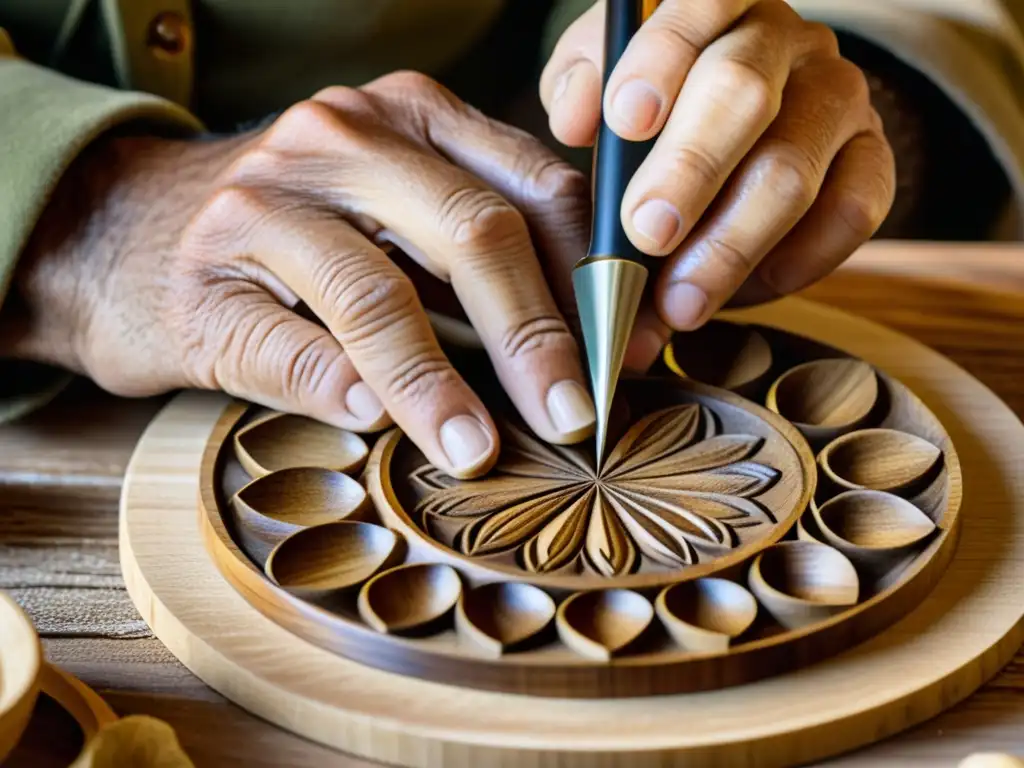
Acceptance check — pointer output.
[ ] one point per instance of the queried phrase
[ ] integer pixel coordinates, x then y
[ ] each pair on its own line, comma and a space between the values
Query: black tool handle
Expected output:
615, 159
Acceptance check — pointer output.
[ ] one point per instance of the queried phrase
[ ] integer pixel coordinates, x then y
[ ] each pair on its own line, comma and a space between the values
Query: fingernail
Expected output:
363, 403
637, 105
465, 441
570, 407
685, 305
659, 221
643, 351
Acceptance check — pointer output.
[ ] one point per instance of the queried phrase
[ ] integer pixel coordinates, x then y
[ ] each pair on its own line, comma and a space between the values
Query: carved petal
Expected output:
668, 430
690, 524
658, 541
718, 506
522, 446
478, 497
513, 526
430, 478
609, 550
560, 541
744, 479
706, 455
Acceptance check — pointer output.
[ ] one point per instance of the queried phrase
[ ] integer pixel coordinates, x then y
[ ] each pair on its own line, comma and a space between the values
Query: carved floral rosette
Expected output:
795, 502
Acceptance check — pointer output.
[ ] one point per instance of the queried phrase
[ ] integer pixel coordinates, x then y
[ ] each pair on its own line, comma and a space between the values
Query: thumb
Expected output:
269, 355
570, 85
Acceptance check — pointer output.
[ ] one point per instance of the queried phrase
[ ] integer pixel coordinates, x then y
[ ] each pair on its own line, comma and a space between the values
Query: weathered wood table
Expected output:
60, 475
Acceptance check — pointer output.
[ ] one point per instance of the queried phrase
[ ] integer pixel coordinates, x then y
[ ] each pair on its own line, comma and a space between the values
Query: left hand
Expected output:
771, 167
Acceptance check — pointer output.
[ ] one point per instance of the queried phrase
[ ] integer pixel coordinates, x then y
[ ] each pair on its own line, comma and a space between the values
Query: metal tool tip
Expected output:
608, 292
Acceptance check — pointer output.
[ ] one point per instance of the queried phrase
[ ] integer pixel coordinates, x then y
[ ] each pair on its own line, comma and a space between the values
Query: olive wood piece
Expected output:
80, 701
705, 615
20, 668
803, 582
503, 615
602, 623
825, 398
283, 441
316, 562
701, 480
727, 355
873, 527
912, 670
274, 506
696, 463
878, 460
666, 490
409, 597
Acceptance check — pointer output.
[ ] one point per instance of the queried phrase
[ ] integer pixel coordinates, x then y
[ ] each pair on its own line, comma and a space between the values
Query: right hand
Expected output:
166, 264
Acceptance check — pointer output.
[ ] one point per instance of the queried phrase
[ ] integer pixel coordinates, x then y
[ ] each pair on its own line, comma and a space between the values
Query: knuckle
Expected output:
788, 174
214, 330
409, 81
230, 212
304, 368
535, 333
693, 161
320, 125
735, 261
862, 213
236, 201
258, 164
749, 91
849, 80
366, 301
822, 38
555, 182
479, 219
675, 36
420, 375
310, 117
336, 96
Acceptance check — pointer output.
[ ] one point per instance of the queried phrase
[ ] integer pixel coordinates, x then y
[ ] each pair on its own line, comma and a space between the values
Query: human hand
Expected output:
771, 167
167, 264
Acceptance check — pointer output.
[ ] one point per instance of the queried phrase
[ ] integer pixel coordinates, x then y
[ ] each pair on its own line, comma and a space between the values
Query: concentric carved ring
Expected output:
701, 480
719, 542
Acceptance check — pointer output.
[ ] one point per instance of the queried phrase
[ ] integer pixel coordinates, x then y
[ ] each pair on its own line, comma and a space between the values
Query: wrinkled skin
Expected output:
162, 264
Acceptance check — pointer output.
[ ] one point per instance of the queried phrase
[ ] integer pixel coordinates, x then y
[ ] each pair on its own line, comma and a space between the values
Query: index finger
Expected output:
643, 87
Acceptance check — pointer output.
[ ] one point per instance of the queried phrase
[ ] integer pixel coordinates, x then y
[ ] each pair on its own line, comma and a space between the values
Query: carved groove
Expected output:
670, 491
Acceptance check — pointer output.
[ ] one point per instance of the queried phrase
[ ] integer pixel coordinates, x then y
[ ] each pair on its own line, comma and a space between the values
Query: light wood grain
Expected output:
20, 666
879, 460
84, 705
285, 441
825, 398
979, 596
688, 472
61, 472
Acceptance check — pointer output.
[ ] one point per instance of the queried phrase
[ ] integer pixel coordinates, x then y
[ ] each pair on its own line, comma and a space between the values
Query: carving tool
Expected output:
609, 282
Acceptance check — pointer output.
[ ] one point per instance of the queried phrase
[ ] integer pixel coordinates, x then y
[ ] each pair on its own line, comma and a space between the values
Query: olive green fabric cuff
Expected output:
46, 119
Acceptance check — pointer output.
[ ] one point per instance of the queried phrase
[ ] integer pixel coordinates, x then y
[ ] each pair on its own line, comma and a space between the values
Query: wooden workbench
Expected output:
60, 475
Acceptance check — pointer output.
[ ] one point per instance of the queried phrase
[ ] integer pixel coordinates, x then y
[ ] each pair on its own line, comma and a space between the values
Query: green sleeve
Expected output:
46, 119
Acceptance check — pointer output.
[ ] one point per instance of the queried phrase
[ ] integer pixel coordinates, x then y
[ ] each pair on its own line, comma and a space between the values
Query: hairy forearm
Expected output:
121, 195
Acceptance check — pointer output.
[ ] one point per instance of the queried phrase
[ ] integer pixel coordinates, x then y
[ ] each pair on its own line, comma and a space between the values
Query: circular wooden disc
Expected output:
20, 663
959, 637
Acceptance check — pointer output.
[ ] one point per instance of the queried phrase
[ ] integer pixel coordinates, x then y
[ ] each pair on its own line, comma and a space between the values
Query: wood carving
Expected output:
671, 493
21, 662
713, 547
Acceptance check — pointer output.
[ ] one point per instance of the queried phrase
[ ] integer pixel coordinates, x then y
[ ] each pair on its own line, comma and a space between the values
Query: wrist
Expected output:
122, 194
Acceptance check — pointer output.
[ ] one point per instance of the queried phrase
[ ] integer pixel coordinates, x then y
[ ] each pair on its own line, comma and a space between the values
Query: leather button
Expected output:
168, 33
